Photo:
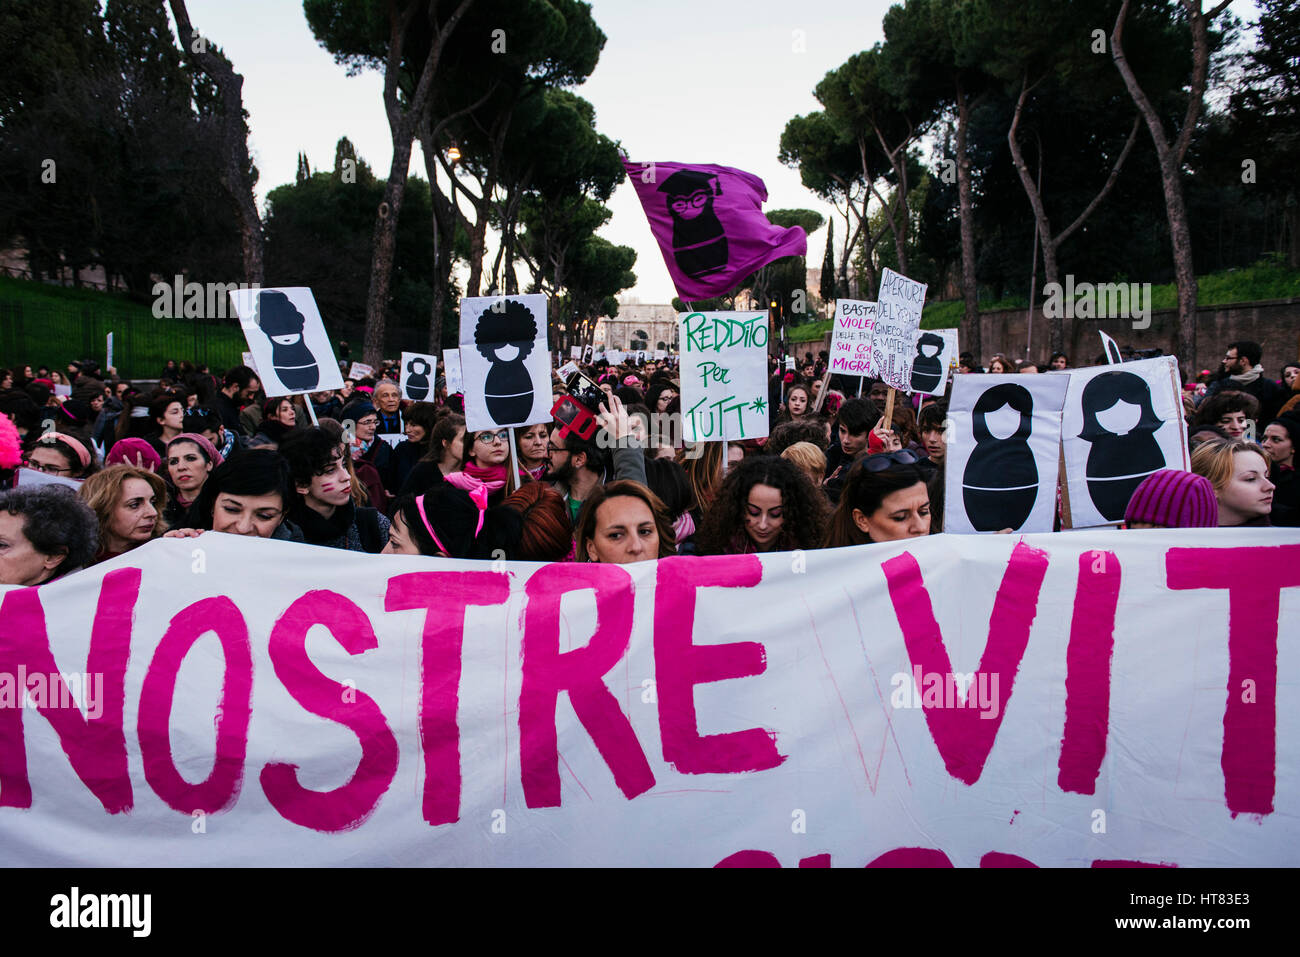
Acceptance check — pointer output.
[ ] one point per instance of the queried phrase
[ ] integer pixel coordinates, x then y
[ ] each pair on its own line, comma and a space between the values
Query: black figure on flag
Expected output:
699, 241
1000, 484
1119, 460
417, 379
927, 372
282, 323
504, 335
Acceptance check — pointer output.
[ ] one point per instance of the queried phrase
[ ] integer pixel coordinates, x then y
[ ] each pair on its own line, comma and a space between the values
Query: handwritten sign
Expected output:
851, 340
724, 375
451, 367
898, 316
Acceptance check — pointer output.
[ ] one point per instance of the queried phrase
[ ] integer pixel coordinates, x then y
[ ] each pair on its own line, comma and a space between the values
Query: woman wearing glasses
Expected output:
885, 499
485, 455
58, 454
765, 504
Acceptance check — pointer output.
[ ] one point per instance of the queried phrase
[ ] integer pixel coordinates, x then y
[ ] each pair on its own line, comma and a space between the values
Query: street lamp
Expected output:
453, 153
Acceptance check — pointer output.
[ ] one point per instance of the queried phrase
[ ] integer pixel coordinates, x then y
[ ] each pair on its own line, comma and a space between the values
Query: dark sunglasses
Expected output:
883, 460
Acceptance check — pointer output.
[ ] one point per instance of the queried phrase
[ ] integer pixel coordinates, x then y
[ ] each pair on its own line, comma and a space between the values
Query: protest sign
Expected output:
418, 371
1111, 348
613, 356
108, 348
505, 362
850, 337
568, 369
893, 339
451, 368
1003, 453
65, 391
1120, 424
290, 349
575, 352
359, 370
934, 357
661, 354
723, 375
394, 439
26, 478
948, 700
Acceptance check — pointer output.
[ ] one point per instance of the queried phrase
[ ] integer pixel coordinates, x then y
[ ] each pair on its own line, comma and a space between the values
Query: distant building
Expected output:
638, 325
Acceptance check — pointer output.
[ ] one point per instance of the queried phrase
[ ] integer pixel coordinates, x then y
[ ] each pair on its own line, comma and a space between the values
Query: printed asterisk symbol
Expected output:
759, 404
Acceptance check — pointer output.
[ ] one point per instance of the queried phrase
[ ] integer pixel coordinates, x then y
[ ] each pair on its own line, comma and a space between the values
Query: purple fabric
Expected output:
709, 223
1174, 499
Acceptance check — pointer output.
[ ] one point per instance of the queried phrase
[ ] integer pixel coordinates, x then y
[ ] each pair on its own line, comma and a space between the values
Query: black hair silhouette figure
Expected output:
1118, 462
699, 241
417, 378
927, 371
282, 323
1000, 484
508, 390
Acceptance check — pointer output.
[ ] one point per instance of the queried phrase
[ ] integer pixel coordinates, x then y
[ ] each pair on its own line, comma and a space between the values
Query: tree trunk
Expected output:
235, 162
973, 334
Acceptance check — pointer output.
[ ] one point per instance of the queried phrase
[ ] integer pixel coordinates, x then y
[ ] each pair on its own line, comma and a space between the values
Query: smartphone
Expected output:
586, 392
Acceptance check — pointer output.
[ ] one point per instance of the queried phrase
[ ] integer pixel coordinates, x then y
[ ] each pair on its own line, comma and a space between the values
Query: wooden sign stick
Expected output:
889, 410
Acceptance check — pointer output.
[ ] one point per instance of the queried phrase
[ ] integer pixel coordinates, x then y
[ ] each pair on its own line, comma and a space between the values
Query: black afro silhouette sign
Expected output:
287, 339
505, 361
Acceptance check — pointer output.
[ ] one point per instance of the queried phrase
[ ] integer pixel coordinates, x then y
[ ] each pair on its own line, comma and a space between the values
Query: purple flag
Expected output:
709, 223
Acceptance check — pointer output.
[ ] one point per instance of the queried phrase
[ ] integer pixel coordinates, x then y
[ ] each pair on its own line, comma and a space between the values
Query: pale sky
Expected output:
678, 80
697, 81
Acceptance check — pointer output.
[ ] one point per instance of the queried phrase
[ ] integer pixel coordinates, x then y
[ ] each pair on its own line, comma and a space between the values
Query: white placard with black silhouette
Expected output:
451, 368
934, 355
893, 337
291, 351
1003, 453
505, 363
1120, 424
418, 373
1111, 348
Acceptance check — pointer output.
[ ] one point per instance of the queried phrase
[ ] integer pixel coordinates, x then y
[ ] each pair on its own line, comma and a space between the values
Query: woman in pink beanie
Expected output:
1173, 499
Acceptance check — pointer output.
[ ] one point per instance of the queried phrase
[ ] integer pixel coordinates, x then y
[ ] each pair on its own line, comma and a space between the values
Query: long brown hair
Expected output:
586, 528
703, 470
103, 490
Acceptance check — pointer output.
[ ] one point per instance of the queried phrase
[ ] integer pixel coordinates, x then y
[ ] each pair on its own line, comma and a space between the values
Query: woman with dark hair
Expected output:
1058, 362
190, 460
1281, 438
547, 533
279, 419
167, 413
446, 446
885, 499
248, 494
1239, 473
621, 523
449, 522
798, 400
668, 481
486, 455
531, 443
1234, 412
57, 453
45, 532
128, 503
419, 422
1120, 424
324, 509
765, 504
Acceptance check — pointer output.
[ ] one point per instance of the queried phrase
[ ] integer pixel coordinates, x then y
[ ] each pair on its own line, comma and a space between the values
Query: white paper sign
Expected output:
62, 390
26, 478
898, 316
451, 368
418, 372
568, 369
291, 351
850, 338
359, 371
1003, 453
614, 357
724, 375
789, 363
505, 362
575, 352
934, 700
394, 439
661, 354
1120, 424
934, 356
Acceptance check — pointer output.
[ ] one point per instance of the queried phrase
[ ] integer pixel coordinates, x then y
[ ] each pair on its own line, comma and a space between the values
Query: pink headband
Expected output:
478, 496
70, 442
207, 447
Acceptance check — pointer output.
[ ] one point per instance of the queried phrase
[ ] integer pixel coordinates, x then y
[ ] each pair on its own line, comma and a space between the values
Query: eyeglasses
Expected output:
552, 449
47, 469
502, 436
883, 460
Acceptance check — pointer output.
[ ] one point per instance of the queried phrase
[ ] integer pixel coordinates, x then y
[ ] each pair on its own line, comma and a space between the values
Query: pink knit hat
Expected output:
130, 450
1174, 499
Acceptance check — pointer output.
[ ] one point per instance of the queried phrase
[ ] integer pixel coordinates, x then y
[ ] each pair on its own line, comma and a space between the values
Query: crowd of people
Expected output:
362, 469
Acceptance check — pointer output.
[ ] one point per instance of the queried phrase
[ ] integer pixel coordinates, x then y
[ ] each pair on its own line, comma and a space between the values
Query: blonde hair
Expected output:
103, 492
807, 457
703, 464
1214, 459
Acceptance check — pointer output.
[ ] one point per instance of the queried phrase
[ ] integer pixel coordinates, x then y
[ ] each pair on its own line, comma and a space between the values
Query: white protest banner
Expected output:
723, 375
290, 348
505, 362
1120, 424
661, 354
945, 700
451, 368
26, 478
893, 340
359, 370
575, 352
934, 356
418, 372
1111, 348
1003, 453
850, 337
